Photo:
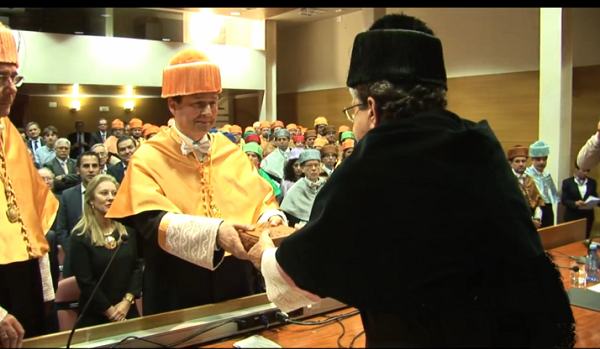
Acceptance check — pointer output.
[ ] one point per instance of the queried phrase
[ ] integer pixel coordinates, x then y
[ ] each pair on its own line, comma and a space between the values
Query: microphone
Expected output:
124, 239
574, 268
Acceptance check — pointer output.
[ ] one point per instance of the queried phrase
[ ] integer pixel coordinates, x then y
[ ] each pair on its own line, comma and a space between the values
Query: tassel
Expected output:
8, 46
191, 78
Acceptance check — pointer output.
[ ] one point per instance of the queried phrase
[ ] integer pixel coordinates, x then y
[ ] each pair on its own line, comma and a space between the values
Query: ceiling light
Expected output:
79, 33
105, 15
166, 39
338, 10
235, 13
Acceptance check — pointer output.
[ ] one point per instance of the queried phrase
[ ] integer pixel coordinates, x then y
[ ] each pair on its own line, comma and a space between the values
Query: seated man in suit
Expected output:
126, 146
63, 167
80, 140
71, 204
575, 190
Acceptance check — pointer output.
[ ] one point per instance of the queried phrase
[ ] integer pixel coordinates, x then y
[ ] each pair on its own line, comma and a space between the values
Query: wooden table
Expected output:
326, 336
586, 320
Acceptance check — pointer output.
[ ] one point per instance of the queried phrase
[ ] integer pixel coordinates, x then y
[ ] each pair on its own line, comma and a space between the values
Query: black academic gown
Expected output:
171, 283
425, 230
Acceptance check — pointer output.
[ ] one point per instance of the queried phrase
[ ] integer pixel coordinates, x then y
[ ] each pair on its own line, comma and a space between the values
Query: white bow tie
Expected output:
202, 146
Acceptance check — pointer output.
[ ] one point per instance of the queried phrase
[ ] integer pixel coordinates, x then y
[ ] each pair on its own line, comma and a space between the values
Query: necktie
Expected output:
103, 137
35, 145
65, 168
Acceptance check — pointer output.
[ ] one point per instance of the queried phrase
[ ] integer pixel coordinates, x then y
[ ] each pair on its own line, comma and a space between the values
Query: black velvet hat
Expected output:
408, 55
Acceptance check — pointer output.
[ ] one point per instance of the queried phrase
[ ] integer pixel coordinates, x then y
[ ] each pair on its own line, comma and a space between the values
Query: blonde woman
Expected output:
93, 242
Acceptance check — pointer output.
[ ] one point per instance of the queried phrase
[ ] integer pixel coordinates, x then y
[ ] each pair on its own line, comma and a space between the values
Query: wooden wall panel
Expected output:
510, 103
586, 110
246, 110
152, 110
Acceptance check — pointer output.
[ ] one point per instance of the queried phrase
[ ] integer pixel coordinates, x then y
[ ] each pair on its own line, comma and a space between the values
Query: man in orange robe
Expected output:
117, 128
136, 129
27, 210
187, 192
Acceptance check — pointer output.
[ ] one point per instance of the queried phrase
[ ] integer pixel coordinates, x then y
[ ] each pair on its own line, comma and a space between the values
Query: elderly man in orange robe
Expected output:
187, 192
27, 210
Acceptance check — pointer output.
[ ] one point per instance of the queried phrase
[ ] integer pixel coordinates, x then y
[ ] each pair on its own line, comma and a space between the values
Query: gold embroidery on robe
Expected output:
37, 204
529, 189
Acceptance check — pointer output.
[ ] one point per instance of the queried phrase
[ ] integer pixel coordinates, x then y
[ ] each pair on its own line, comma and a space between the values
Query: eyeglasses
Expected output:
350, 112
16, 80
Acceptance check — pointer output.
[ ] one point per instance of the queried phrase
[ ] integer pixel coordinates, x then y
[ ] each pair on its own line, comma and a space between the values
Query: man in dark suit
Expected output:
102, 134
63, 167
71, 204
34, 140
126, 146
80, 140
575, 190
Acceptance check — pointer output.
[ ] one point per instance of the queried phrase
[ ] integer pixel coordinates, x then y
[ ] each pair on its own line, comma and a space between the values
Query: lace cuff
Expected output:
47, 285
3, 314
190, 238
286, 297
270, 213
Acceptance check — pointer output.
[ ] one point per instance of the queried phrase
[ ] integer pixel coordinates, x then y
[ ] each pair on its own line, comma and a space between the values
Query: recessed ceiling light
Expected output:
105, 15
338, 10
166, 39
79, 33
235, 13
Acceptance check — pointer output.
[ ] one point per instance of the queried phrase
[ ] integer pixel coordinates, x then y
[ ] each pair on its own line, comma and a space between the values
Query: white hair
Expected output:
99, 145
47, 170
62, 140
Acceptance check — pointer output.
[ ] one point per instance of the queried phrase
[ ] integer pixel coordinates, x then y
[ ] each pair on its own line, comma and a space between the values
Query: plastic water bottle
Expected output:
592, 263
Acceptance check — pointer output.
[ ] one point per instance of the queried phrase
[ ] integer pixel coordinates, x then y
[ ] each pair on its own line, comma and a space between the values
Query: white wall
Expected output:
90, 60
477, 41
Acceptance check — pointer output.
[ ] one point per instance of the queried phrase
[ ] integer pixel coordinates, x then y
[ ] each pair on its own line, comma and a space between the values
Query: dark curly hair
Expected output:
401, 101
288, 171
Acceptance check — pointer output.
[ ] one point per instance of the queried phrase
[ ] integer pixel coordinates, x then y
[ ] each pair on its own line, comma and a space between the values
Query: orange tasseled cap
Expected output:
343, 128
321, 120
235, 129
116, 123
320, 142
277, 123
8, 46
348, 143
151, 129
264, 124
190, 72
135, 123
291, 127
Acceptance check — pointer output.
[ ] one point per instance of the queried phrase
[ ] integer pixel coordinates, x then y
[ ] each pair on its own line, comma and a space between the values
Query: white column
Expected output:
556, 84
109, 22
268, 103
370, 15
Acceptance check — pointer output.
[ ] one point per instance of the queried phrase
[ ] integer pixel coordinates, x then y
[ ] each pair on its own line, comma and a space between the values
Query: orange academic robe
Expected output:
37, 204
160, 179
24, 260
111, 145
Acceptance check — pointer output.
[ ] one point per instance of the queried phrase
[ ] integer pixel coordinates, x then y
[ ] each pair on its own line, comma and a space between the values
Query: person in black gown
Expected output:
452, 258
93, 242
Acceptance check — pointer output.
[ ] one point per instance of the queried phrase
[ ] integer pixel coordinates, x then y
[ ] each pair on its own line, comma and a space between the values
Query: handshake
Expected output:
248, 242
